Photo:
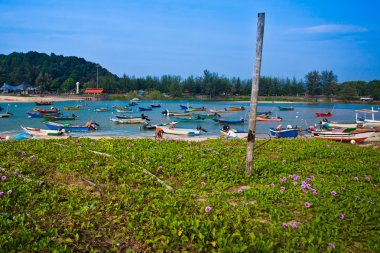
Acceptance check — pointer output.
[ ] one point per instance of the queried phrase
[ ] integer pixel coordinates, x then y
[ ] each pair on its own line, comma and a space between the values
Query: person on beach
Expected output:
159, 133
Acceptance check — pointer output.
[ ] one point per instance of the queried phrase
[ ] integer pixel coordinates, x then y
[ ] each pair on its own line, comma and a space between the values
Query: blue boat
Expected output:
71, 127
145, 108
284, 132
132, 103
38, 115
184, 107
155, 105
229, 121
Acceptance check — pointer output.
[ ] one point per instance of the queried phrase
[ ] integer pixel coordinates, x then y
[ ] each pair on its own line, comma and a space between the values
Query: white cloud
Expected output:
329, 29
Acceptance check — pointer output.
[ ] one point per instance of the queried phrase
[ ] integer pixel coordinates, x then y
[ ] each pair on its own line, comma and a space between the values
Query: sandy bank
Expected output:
32, 99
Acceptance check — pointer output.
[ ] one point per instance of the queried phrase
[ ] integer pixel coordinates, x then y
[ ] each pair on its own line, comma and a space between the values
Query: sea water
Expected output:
302, 116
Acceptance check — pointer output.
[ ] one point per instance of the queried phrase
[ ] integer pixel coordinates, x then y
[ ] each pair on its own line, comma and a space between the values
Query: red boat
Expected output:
44, 111
321, 114
44, 103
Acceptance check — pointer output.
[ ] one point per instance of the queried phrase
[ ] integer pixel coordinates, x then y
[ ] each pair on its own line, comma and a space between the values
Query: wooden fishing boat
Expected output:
155, 105
149, 126
362, 118
5, 115
271, 119
218, 111
44, 111
233, 133
137, 120
39, 103
43, 132
89, 126
68, 108
321, 114
338, 125
132, 117
39, 115
234, 108
286, 108
141, 109
229, 121
180, 131
124, 110
193, 109
101, 109
176, 114
284, 132
344, 135
59, 117
187, 119
205, 116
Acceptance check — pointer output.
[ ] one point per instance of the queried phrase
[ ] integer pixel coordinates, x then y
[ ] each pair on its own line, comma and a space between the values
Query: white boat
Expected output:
339, 125
361, 118
180, 131
344, 135
5, 115
233, 133
43, 132
129, 120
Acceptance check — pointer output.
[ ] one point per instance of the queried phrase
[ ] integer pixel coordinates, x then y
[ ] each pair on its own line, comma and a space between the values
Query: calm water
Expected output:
303, 116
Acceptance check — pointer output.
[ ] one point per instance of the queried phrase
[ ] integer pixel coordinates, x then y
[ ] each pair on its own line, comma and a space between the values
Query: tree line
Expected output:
57, 73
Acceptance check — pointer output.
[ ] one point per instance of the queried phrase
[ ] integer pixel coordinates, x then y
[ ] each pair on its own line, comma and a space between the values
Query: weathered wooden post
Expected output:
255, 92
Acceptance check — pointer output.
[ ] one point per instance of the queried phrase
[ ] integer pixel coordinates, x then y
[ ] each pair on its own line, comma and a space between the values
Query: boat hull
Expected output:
284, 133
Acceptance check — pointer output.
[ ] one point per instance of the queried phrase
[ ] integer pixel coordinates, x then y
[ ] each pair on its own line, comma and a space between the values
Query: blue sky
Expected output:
185, 37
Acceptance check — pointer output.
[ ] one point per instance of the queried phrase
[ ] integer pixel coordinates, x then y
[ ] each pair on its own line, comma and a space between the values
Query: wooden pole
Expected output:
254, 93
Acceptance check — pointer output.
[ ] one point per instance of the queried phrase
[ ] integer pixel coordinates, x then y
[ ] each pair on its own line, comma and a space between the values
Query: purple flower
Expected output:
294, 224
282, 189
203, 183
356, 178
160, 167
367, 178
284, 179
341, 216
240, 191
133, 158
145, 172
333, 193
32, 157
307, 204
216, 152
281, 180
315, 193
284, 225
272, 185
322, 179
221, 182
295, 183
3, 178
10, 192
95, 163
331, 245
1, 194
307, 179
208, 209
312, 176
179, 156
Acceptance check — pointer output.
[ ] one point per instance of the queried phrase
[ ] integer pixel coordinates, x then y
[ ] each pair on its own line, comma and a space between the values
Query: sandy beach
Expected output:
36, 98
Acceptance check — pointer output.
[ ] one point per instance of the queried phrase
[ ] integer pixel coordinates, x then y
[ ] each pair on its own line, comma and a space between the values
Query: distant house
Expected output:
141, 92
94, 91
23, 88
365, 99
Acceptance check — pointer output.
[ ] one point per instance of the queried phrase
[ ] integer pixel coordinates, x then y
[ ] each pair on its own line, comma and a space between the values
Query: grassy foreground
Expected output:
99, 195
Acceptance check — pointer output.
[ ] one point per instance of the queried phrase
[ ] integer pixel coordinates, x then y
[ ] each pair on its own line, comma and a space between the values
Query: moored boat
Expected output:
176, 114
71, 127
59, 117
286, 108
39, 103
69, 108
102, 109
5, 115
155, 105
271, 119
43, 132
44, 111
280, 132
136, 120
344, 135
321, 114
145, 109
205, 116
229, 121
180, 131
234, 108
218, 111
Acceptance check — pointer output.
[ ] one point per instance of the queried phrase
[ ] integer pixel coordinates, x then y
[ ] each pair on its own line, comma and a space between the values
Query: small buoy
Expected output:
353, 141
297, 117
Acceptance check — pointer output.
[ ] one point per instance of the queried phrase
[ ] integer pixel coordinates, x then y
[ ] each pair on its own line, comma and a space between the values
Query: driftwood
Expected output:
159, 180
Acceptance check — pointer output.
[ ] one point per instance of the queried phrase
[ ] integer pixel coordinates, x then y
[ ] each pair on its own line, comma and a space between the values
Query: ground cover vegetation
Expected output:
59, 74
305, 195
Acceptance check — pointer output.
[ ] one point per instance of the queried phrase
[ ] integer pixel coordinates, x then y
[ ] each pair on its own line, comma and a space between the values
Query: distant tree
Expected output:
374, 87
313, 82
43, 81
348, 92
329, 83
68, 85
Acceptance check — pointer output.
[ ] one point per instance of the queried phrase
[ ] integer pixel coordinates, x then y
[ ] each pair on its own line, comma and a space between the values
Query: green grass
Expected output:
93, 202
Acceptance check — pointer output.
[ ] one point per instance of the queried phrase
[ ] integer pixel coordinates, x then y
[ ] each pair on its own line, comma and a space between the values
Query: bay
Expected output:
302, 116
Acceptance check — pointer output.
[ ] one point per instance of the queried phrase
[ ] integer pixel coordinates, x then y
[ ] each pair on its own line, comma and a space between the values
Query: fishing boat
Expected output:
269, 119
149, 126
1, 108
132, 117
339, 125
184, 107
234, 108
39, 103
187, 119
44, 111
194, 109
5, 115
286, 108
180, 131
205, 116
71, 127
145, 109
43, 132
136, 120
155, 105
362, 117
101, 109
344, 135
133, 103
234, 133
176, 114
218, 111
68, 108
39, 115
59, 117
124, 110
229, 121
321, 114
280, 132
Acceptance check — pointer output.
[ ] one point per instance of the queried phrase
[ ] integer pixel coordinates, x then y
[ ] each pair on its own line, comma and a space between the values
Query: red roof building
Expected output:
94, 90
